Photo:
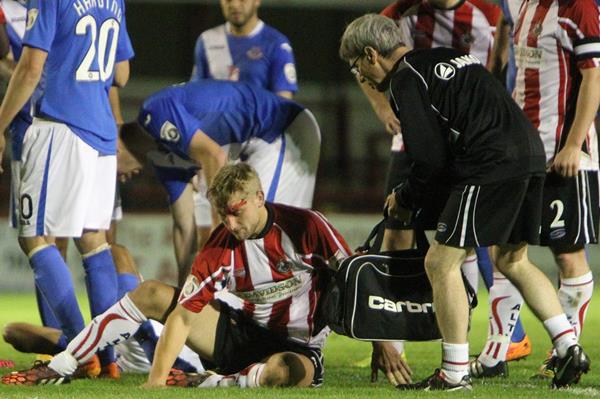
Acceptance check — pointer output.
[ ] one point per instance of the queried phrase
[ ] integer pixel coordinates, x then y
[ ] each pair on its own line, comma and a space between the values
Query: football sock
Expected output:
561, 332
102, 287
126, 282
147, 338
455, 361
115, 325
574, 295
53, 279
505, 303
485, 266
46, 315
470, 271
247, 378
486, 270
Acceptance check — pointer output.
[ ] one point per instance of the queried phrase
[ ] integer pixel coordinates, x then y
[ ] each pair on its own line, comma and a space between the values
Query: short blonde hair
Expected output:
230, 179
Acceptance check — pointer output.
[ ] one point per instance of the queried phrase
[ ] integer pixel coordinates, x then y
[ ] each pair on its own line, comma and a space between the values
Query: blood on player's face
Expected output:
241, 216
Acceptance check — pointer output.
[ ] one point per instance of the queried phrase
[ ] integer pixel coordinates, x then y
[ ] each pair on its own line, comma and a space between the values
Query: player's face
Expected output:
239, 12
244, 215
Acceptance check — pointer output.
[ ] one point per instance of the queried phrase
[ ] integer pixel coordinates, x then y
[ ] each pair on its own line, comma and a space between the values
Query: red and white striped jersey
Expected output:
276, 275
469, 27
553, 40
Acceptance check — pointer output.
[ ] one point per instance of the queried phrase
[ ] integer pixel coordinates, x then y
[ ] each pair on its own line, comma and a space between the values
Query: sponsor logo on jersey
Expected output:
286, 47
380, 303
289, 71
273, 293
464, 60
444, 71
168, 132
31, 18
255, 53
528, 57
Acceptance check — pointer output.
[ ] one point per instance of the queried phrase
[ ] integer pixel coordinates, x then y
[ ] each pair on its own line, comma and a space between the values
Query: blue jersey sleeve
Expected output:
125, 48
42, 17
200, 64
283, 69
168, 122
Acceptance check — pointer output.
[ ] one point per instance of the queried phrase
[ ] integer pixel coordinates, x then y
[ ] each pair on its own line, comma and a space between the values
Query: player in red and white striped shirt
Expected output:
557, 50
270, 256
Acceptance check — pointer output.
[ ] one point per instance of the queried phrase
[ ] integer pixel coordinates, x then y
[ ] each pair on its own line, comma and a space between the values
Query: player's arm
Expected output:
285, 94
499, 56
184, 231
20, 88
206, 152
170, 343
121, 74
381, 106
566, 161
4, 43
422, 138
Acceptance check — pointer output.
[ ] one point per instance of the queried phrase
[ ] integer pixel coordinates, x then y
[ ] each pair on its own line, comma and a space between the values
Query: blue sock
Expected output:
126, 282
486, 270
53, 279
62, 342
148, 339
101, 283
485, 266
46, 314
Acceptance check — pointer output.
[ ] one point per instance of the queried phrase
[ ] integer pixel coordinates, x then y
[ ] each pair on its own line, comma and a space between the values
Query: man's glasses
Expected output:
353, 68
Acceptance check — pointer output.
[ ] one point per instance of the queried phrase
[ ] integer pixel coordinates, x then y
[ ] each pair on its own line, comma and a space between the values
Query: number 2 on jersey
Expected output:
105, 56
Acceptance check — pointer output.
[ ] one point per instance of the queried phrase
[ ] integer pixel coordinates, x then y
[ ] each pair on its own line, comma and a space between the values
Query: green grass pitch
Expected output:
347, 367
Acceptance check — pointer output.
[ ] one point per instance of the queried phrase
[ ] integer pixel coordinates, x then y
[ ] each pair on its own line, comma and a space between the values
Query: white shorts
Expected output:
66, 186
287, 167
131, 358
202, 212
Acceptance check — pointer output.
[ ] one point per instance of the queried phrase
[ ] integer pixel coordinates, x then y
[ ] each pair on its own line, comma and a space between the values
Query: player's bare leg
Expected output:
29, 338
442, 264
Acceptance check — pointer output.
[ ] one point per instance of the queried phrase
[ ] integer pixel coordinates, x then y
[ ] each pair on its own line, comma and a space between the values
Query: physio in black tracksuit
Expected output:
461, 127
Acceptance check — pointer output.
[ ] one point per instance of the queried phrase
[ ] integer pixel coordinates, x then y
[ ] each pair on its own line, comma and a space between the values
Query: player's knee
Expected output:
150, 297
276, 372
571, 261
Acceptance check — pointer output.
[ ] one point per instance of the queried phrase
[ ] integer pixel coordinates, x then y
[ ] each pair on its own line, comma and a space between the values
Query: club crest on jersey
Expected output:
190, 288
290, 72
255, 53
286, 47
168, 132
284, 266
444, 71
467, 39
32, 15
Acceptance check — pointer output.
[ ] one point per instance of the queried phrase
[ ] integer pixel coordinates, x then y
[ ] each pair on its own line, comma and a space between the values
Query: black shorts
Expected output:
240, 342
570, 210
482, 215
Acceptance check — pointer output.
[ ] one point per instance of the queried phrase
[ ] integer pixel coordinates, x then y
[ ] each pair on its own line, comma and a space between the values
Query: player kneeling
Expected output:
269, 256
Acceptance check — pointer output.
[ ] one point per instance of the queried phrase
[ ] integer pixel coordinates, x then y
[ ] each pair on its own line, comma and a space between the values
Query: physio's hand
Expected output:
386, 358
566, 162
396, 211
127, 165
388, 118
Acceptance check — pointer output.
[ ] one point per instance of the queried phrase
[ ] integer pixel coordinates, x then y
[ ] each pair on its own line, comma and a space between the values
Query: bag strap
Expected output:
372, 244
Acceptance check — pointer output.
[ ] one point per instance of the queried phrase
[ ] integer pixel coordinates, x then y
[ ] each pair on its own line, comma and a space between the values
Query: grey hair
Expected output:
370, 30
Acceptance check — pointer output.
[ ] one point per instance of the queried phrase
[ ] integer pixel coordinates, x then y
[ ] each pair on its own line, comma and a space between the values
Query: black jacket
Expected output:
459, 124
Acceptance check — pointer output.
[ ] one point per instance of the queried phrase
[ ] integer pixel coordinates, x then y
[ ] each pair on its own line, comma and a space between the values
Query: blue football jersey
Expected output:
263, 58
227, 112
84, 40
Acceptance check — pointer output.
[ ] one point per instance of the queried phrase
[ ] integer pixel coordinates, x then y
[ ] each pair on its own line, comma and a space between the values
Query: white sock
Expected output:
471, 271
64, 363
574, 296
116, 325
561, 333
250, 376
455, 361
505, 303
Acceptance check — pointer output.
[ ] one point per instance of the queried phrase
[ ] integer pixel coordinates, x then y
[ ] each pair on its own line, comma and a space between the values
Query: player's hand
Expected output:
388, 118
566, 162
396, 211
386, 358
